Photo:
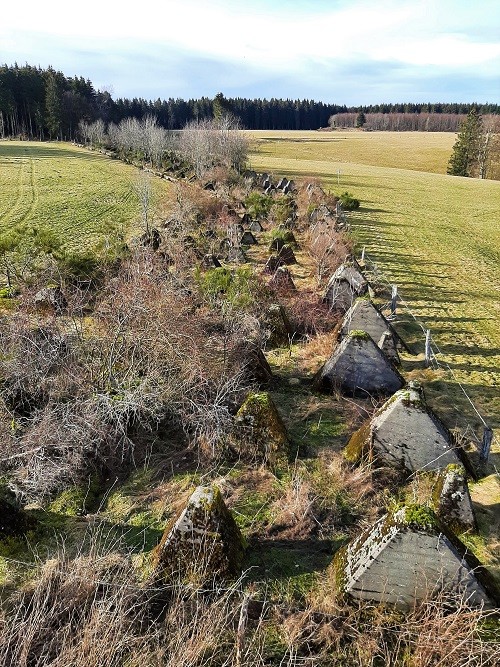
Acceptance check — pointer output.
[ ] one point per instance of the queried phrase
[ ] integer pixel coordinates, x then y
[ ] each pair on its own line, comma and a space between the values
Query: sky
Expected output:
338, 51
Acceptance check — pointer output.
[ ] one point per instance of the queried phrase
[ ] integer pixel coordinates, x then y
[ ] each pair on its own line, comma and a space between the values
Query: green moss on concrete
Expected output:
202, 542
358, 334
417, 516
358, 447
337, 569
261, 432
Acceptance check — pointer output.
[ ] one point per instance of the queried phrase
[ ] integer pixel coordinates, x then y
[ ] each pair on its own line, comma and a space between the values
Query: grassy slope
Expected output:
131, 506
83, 195
436, 237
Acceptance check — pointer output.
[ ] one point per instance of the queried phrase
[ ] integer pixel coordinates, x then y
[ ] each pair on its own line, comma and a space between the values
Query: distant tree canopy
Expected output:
43, 103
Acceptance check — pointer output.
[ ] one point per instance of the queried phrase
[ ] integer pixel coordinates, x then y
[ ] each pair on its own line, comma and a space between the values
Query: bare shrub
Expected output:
327, 248
97, 395
308, 315
207, 144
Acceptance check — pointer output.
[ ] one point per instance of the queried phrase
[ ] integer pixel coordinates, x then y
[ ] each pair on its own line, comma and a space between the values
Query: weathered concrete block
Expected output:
248, 238
358, 366
344, 287
249, 355
363, 316
255, 226
203, 542
287, 255
211, 262
282, 279
408, 556
236, 256
272, 264
261, 429
452, 499
405, 433
278, 325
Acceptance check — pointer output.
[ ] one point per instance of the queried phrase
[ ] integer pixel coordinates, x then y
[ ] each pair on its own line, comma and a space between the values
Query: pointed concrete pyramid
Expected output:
263, 433
248, 238
277, 326
344, 287
407, 556
406, 433
358, 366
452, 499
363, 316
203, 540
255, 226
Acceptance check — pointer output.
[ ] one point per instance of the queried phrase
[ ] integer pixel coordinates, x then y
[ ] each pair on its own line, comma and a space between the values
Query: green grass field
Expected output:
80, 195
435, 236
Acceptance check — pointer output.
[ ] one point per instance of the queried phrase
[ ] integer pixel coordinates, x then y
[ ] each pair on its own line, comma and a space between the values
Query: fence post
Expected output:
486, 444
428, 349
394, 300
363, 254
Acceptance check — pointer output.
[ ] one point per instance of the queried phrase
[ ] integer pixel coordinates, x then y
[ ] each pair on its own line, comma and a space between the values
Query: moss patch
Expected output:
358, 446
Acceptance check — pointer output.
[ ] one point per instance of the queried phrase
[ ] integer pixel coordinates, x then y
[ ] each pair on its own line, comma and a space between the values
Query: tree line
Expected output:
403, 122
39, 103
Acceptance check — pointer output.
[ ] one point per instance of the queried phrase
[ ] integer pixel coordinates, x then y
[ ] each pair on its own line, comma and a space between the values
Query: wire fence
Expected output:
432, 352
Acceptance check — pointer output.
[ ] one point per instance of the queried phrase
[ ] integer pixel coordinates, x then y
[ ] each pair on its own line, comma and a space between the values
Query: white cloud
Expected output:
280, 38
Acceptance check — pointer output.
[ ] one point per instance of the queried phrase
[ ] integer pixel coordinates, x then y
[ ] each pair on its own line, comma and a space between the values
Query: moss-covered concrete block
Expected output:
451, 499
407, 435
363, 315
261, 432
407, 556
202, 542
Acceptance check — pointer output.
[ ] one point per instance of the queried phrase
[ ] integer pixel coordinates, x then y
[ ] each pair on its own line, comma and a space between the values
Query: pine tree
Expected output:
221, 107
53, 115
360, 119
465, 156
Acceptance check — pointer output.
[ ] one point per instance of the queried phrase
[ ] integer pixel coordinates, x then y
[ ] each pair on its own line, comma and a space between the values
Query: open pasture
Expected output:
81, 196
435, 236
418, 151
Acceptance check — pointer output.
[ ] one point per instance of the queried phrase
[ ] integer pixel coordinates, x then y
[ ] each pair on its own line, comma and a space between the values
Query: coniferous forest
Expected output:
39, 103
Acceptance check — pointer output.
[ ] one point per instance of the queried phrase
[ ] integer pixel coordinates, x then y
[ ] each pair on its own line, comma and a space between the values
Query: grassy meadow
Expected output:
82, 196
418, 151
435, 236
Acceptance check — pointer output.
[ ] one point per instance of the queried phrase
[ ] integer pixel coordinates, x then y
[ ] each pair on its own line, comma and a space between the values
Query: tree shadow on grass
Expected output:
283, 559
44, 151
52, 530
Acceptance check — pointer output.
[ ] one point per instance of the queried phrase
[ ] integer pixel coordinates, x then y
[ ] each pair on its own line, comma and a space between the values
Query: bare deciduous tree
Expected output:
207, 144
